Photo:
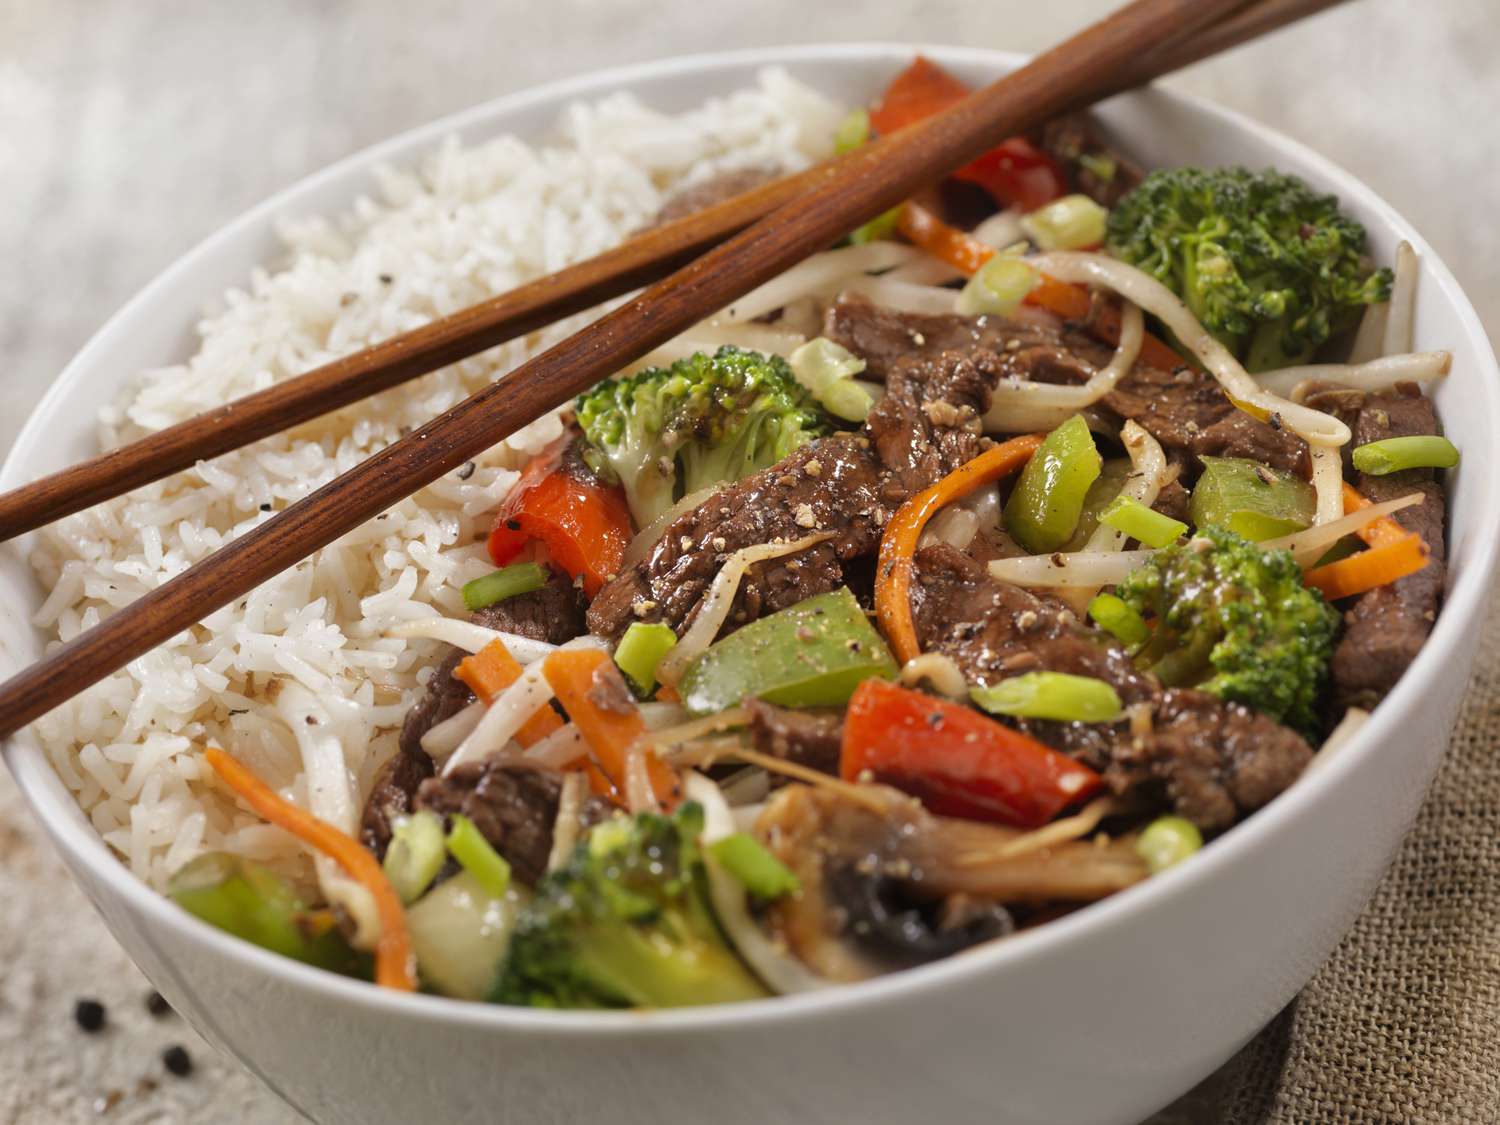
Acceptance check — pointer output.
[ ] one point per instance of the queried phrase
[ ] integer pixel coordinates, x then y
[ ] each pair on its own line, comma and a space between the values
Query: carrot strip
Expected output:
493, 669
1376, 567
609, 720
394, 964
967, 254
898, 546
1378, 533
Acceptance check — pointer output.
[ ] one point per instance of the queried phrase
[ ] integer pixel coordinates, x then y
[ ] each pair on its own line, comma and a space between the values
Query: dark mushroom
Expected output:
890, 922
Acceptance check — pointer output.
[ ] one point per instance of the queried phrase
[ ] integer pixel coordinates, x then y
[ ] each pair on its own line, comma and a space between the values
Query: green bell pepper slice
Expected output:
1044, 507
1251, 499
812, 654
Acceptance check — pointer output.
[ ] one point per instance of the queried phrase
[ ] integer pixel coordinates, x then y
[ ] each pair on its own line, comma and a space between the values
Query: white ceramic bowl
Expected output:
1099, 1017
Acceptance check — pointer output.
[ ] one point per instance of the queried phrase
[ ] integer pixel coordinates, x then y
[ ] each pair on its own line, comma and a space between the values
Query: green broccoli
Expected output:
1269, 266
1235, 619
626, 923
668, 431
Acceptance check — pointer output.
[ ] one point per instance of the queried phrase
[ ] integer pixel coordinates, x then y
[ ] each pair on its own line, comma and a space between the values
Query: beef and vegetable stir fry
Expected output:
972, 571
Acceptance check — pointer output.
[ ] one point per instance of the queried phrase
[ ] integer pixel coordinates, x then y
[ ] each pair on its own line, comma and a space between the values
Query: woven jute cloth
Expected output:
1403, 1022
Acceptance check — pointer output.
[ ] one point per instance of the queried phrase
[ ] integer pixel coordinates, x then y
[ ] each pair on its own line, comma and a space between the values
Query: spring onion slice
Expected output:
1142, 523
1119, 619
1051, 695
415, 854
507, 582
1392, 455
760, 872
853, 131
1073, 222
1168, 840
998, 287
475, 855
641, 649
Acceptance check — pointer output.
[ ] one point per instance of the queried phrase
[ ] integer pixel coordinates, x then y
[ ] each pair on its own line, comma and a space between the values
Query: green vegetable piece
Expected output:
1392, 455
827, 370
1235, 620
1250, 499
669, 431
626, 923
254, 903
881, 226
460, 934
1119, 619
853, 131
1140, 522
640, 650
415, 854
1168, 840
476, 856
1051, 695
1045, 505
1269, 266
812, 654
1101, 493
507, 582
1070, 223
998, 286
758, 871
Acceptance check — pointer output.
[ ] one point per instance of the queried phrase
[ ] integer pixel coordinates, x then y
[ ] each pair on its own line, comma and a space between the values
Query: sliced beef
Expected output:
810, 737
515, 807
716, 189
1173, 500
1093, 165
1209, 760
554, 614
1387, 627
847, 484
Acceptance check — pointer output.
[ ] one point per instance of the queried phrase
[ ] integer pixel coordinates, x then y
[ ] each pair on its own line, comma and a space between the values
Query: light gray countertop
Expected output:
130, 129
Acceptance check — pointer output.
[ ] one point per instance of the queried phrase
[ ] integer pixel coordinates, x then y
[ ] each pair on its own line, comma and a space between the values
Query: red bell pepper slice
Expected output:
584, 523
956, 761
1016, 172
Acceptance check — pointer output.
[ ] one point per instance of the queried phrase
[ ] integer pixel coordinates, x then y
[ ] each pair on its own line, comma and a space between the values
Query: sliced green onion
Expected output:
475, 855
415, 854
1102, 167
1395, 454
507, 582
1119, 619
853, 131
1168, 840
1051, 695
827, 370
1070, 223
999, 287
880, 227
1140, 522
640, 650
761, 873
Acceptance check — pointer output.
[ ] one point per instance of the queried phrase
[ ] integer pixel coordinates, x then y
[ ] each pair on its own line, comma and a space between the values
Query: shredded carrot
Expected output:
394, 964
610, 722
1376, 567
1378, 533
966, 254
493, 669
898, 546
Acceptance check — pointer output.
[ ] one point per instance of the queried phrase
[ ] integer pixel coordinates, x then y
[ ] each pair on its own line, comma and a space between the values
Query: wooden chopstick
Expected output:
868, 182
638, 261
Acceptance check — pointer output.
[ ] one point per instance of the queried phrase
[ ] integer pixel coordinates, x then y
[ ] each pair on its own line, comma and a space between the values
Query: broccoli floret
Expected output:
1235, 619
1268, 265
668, 431
626, 923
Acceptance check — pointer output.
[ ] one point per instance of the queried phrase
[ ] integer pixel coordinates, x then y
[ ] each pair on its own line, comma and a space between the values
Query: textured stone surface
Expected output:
129, 130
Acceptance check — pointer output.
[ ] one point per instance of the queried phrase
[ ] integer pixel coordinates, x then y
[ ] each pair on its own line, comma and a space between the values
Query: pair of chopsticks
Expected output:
718, 255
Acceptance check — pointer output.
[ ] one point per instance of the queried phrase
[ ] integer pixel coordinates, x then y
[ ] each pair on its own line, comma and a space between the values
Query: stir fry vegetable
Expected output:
252, 902
583, 523
758, 871
1136, 520
507, 582
1393, 455
1250, 499
489, 672
1119, 619
626, 924
1044, 507
1074, 222
1051, 695
641, 649
812, 654
957, 762
460, 933
1379, 566
1168, 840
415, 854
998, 287
827, 370
476, 856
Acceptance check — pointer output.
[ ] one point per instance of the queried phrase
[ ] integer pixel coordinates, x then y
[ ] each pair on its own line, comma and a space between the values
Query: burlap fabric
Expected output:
1403, 1022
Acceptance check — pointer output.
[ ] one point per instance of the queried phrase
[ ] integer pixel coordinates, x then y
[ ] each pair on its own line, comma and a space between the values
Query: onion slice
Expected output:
470, 637
1398, 325
904, 296
1376, 375
1308, 546
1080, 568
816, 274
447, 736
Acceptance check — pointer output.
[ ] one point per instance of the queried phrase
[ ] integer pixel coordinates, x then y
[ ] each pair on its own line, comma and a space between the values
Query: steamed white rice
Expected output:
464, 224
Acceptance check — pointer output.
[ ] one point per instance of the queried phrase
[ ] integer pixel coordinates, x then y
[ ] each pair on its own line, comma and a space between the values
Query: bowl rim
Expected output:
1465, 602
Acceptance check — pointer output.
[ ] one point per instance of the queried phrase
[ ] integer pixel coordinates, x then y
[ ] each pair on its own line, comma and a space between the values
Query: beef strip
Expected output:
1387, 627
515, 807
1209, 760
1093, 165
553, 614
716, 189
847, 485
810, 737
